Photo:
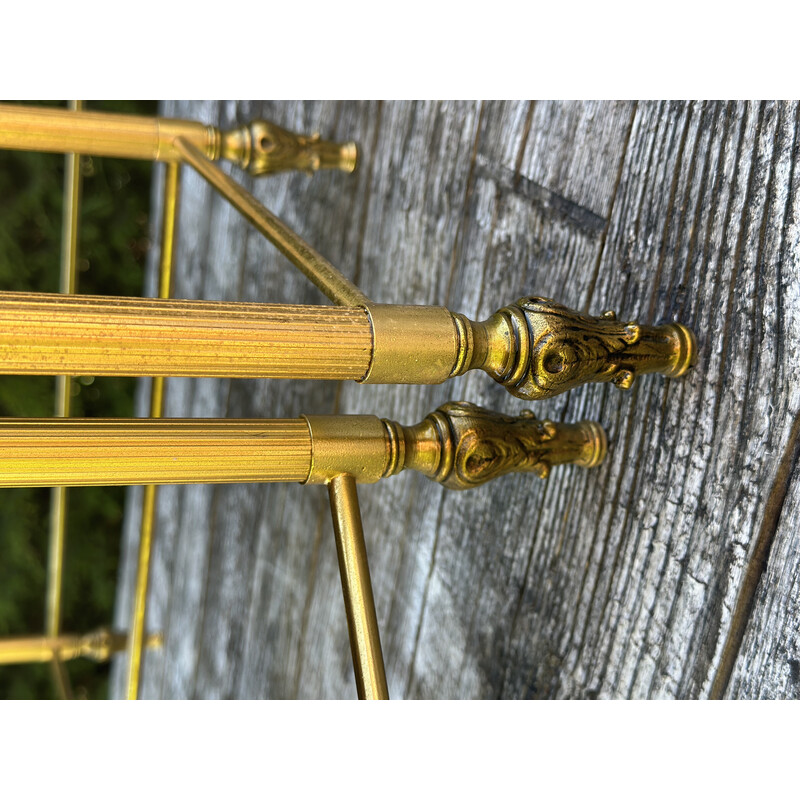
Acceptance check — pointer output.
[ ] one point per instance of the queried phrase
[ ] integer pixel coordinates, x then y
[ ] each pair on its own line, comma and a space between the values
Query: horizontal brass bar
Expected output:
44, 334
97, 646
459, 445
261, 147
312, 264
97, 133
120, 452
536, 348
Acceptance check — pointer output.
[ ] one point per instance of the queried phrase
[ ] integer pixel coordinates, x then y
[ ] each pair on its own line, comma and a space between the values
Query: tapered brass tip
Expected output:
685, 350
596, 447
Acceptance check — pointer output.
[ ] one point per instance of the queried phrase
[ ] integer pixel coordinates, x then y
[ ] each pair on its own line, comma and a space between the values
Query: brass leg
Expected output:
359, 604
168, 230
58, 494
261, 147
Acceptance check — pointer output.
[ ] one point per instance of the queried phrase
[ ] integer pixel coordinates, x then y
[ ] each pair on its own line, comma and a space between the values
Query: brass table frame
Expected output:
534, 347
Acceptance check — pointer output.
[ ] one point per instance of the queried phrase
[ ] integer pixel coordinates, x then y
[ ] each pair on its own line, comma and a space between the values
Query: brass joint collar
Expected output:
417, 344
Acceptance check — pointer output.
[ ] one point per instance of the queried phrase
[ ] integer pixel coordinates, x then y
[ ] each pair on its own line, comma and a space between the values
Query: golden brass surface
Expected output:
261, 147
97, 646
460, 445
535, 348
416, 344
362, 621
314, 266
121, 452
538, 348
168, 233
45, 334
58, 496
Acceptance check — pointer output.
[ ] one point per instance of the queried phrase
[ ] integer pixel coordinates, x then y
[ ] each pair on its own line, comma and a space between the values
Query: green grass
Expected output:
112, 251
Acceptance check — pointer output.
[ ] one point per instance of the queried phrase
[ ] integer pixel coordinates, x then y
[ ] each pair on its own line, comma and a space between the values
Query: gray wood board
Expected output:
624, 581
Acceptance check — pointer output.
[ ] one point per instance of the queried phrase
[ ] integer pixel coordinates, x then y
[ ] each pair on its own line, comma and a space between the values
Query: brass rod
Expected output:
43, 334
120, 452
97, 646
314, 266
459, 445
261, 147
58, 494
168, 230
97, 133
362, 621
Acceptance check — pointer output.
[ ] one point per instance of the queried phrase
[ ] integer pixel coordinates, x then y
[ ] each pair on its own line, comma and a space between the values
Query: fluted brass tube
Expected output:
97, 646
261, 147
44, 334
79, 452
536, 348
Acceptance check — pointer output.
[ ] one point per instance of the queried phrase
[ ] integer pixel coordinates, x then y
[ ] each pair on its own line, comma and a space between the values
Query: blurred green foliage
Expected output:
112, 248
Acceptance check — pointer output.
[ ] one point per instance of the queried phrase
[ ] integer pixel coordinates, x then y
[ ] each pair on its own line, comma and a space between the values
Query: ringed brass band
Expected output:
534, 347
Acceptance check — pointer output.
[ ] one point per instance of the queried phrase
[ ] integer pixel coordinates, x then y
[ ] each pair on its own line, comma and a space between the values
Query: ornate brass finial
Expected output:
264, 148
101, 644
537, 348
462, 445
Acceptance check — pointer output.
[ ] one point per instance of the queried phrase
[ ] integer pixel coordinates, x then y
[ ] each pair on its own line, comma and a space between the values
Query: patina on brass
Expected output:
536, 348
99, 646
261, 147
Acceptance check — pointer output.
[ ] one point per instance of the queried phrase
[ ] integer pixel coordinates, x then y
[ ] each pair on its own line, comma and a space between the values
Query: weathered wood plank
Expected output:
620, 582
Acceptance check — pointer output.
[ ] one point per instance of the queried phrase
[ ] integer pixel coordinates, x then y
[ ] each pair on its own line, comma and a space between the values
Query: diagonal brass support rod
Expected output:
313, 265
362, 620
535, 348
261, 147
168, 233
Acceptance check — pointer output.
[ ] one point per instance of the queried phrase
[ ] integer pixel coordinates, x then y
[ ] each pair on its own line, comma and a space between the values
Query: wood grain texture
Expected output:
626, 581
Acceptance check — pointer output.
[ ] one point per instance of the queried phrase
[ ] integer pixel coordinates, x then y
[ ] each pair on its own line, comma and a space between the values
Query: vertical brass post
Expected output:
362, 622
58, 494
168, 235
